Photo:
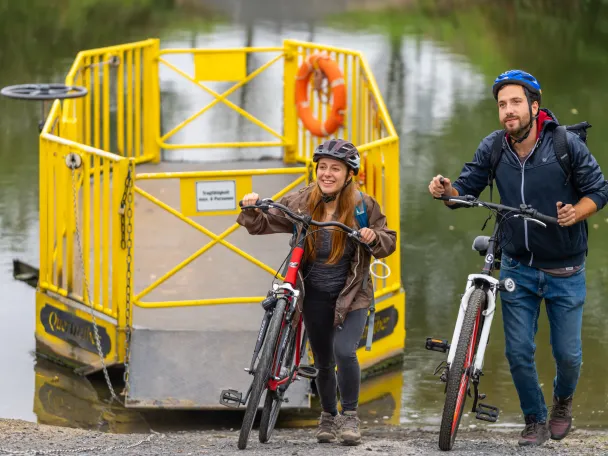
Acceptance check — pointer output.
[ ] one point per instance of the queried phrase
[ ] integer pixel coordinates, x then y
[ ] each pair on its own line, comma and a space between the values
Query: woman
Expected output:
336, 301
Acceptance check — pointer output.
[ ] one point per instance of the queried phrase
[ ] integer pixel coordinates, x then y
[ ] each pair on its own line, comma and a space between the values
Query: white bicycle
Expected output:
467, 349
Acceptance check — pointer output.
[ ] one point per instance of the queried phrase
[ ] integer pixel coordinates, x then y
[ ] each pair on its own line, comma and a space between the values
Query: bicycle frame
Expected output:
490, 285
287, 290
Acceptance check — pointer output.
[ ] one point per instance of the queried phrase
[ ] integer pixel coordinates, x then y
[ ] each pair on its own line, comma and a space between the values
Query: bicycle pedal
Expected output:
439, 345
231, 398
307, 371
487, 413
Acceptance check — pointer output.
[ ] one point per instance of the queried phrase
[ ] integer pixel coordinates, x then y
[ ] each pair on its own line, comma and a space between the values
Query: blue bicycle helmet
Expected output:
516, 77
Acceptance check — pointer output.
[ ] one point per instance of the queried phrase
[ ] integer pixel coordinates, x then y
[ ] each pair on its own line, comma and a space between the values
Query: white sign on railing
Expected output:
215, 196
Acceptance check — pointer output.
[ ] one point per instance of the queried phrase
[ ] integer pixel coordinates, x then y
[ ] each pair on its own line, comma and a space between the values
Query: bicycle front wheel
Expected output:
262, 372
459, 373
274, 399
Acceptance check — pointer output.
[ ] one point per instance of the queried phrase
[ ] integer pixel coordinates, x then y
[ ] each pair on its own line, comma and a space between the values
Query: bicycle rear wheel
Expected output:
262, 372
459, 373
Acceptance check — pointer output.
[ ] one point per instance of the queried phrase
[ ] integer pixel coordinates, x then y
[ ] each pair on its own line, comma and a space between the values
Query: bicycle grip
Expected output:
545, 218
442, 197
257, 203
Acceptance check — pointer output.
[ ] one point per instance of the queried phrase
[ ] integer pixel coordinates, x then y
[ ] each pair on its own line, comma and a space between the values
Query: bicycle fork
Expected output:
491, 285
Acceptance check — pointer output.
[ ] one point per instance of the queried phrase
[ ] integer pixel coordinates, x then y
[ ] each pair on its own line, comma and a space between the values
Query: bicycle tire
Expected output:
260, 378
273, 401
455, 389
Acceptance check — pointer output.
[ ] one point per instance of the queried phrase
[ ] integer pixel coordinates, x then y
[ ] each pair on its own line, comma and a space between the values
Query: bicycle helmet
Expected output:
516, 77
339, 149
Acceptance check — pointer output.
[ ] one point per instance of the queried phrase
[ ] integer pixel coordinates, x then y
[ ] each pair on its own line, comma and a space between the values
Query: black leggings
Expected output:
331, 346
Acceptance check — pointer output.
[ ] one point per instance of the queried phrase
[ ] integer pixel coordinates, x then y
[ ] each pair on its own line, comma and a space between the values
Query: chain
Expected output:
126, 209
77, 450
73, 165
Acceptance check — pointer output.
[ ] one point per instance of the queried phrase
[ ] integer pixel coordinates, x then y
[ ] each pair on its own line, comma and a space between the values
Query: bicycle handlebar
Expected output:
266, 204
524, 210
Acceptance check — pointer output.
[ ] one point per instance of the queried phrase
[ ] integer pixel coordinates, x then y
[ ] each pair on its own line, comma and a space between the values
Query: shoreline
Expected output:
23, 436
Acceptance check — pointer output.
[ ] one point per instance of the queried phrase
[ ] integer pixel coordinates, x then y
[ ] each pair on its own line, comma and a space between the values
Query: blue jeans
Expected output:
564, 298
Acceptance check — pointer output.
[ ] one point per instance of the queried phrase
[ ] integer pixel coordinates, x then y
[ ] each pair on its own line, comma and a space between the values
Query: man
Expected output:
546, 263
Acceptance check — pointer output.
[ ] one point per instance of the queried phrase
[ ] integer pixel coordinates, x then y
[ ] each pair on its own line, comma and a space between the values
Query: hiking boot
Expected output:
328, 428
349, 428
534, 434
560, 421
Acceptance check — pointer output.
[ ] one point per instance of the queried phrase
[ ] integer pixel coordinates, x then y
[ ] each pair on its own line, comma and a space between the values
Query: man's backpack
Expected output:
561, 149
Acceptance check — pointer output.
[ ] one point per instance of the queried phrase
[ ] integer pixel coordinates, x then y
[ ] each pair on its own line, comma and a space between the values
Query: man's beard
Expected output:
519, 131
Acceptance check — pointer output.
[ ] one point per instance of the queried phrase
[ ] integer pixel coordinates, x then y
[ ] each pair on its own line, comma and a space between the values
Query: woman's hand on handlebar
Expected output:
366, 235
250, 199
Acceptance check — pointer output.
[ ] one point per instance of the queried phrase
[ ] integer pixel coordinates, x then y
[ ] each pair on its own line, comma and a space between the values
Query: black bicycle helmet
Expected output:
339, 149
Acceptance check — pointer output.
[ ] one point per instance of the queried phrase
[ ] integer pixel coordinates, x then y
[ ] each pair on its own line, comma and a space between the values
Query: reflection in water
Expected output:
63, 398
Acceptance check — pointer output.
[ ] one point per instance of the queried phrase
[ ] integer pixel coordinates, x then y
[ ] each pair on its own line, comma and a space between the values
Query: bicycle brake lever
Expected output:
357, 235
531, 219
543, 224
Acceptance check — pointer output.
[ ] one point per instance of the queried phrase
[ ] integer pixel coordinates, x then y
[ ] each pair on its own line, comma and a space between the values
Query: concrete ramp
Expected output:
181, 369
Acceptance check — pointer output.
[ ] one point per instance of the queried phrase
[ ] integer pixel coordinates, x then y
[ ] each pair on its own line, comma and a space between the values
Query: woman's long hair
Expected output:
345, 211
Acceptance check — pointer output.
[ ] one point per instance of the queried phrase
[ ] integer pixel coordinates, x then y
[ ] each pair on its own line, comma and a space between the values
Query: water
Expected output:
434, 69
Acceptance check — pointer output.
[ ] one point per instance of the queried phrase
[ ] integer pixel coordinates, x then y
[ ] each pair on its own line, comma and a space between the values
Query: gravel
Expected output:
24, 437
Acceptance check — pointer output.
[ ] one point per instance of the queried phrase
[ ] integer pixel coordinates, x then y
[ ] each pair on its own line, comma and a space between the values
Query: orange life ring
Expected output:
331, 70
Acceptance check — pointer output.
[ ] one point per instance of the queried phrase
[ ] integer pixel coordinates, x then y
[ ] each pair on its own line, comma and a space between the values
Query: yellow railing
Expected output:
111, 128
121, 113
367, 118
367, 125
221, 65
81, 256
242, 179
118, 124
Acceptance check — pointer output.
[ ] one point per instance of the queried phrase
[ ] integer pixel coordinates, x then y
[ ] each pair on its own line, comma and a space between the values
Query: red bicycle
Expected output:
282, 338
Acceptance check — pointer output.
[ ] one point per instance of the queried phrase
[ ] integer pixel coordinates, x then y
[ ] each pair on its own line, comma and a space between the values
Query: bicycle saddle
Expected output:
481, 243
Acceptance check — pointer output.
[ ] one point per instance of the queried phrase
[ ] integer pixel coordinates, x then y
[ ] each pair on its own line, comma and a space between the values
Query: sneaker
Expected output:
328, 428
560, 421
535, 433
349, 428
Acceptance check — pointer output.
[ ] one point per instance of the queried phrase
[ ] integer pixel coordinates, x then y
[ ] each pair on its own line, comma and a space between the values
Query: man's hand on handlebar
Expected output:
440, 186
566, 214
